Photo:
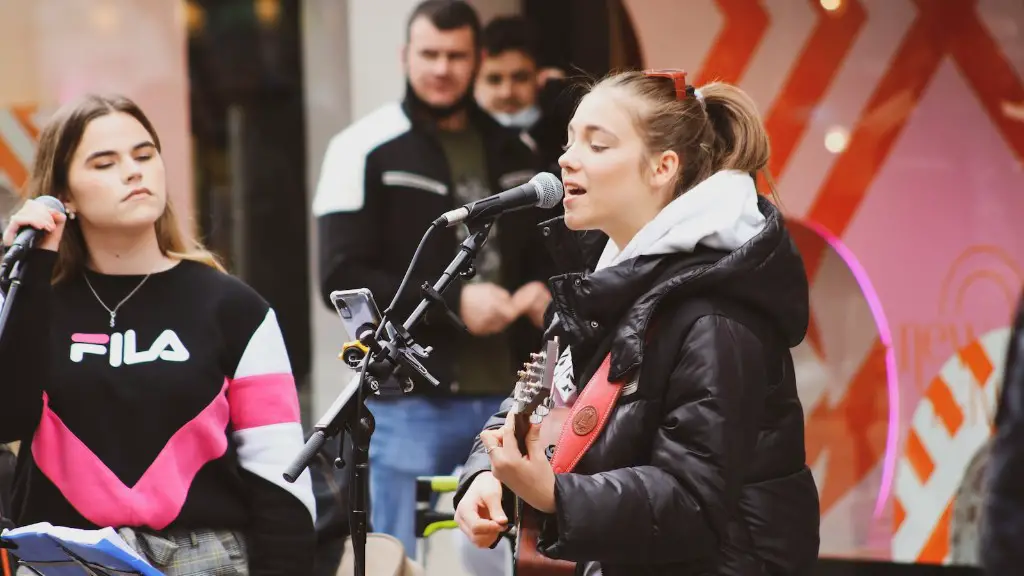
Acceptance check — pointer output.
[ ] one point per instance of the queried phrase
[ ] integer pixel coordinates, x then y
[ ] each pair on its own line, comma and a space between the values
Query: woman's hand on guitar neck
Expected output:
480, 515
528, 475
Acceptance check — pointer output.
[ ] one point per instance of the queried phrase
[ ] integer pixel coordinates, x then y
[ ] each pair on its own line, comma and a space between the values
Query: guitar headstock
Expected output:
531, 397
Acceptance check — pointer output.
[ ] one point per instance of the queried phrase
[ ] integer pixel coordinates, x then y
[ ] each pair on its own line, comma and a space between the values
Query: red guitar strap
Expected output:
586, 419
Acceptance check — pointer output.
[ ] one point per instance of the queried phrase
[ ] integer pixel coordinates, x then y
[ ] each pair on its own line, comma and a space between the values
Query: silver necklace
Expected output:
113, 313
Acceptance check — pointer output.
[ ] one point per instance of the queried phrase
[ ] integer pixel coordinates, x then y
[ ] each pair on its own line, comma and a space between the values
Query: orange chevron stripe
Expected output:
809, 79
10, 165
812, 249
854, 431
945, 405
746, 22
976, 359
980, 61
937, 546
23, 114
918, 456
899, 514
909, 73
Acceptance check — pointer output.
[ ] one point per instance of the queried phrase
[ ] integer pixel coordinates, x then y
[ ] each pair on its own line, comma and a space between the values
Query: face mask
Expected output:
525, 118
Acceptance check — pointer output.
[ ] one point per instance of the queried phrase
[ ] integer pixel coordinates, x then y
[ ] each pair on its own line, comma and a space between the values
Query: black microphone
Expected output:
26, 236
543, 191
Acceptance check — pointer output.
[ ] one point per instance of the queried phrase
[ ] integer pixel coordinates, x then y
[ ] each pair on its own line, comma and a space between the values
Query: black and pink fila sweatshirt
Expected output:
184, 415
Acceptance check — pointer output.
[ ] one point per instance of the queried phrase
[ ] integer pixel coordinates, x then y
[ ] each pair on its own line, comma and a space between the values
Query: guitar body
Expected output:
528, 560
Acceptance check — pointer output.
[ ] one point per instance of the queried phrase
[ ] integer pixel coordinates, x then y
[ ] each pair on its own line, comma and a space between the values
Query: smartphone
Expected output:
358, 312
357, 309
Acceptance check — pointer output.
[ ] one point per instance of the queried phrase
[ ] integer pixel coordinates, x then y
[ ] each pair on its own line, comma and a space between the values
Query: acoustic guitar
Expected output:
533, 406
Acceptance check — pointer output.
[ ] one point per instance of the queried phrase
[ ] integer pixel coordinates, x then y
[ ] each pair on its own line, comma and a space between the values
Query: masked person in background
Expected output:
520, 94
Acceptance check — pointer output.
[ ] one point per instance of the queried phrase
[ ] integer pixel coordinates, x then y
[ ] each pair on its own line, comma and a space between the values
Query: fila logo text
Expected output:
123, 349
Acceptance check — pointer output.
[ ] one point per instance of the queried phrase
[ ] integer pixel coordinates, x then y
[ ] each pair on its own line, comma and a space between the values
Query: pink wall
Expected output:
54, 50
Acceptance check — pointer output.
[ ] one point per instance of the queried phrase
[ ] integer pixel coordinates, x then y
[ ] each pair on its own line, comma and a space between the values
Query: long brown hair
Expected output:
719, 130
58, 142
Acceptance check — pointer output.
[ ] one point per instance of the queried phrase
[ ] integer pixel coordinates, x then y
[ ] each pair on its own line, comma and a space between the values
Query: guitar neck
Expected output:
522, 427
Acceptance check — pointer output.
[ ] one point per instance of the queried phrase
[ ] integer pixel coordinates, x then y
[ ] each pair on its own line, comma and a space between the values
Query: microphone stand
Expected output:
10, 281
386, 360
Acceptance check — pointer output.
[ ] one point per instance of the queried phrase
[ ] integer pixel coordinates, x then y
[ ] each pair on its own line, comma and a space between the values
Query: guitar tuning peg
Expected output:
542, 410
521, 374
536, 418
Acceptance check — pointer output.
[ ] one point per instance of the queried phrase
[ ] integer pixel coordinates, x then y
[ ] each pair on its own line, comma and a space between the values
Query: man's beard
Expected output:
434, 112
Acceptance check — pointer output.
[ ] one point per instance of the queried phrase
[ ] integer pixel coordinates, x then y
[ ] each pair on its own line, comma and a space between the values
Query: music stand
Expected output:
49, 550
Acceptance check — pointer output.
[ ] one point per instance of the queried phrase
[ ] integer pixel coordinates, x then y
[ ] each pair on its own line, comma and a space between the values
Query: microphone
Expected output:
26, 237
543, 191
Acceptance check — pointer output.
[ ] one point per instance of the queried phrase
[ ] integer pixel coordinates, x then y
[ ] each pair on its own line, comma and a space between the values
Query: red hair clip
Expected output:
677, 76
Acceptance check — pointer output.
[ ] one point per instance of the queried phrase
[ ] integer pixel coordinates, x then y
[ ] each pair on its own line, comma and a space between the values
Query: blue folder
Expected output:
58, 551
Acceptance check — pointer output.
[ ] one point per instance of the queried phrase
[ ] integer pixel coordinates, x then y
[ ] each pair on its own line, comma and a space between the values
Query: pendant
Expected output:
112, 316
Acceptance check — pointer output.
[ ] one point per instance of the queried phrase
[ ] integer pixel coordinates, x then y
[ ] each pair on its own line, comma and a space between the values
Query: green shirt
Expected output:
483, 363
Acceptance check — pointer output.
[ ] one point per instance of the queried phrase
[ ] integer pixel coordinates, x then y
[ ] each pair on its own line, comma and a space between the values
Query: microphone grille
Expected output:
549, 189
52, 203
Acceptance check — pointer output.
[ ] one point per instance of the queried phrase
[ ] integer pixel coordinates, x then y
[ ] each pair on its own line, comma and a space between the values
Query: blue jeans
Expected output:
418, 436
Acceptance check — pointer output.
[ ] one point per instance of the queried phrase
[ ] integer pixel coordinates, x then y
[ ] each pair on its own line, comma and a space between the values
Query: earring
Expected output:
71, 214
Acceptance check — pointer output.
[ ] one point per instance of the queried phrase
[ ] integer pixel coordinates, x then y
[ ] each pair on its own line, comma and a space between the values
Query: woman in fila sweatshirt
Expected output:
151, 391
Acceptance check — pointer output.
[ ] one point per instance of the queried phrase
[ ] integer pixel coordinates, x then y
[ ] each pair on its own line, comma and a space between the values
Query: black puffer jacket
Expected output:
701, 470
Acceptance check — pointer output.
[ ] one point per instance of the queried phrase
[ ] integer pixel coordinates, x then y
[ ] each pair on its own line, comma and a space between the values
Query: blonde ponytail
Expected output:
719, 130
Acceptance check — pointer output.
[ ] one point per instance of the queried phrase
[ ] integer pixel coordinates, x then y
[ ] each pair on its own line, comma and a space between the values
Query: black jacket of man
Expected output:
384, 179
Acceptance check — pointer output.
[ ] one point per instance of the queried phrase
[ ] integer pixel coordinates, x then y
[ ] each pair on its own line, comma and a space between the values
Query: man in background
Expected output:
520, 94
383, 180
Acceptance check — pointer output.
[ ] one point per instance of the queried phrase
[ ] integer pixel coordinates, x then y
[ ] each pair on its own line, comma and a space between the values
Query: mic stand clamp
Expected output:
435, 297
397, 357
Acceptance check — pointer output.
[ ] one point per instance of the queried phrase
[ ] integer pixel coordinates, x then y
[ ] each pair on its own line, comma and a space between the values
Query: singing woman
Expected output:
684, 277
150, 390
